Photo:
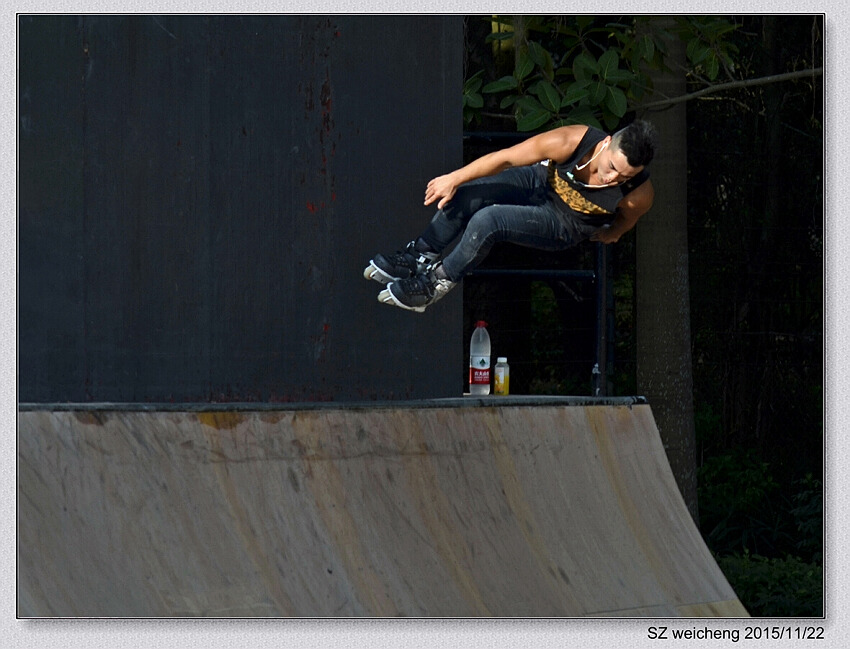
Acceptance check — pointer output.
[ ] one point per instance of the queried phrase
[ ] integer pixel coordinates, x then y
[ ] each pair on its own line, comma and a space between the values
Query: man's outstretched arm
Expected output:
556, 144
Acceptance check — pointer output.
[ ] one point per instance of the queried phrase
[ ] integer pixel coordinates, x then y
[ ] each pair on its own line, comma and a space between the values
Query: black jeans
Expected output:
515, 205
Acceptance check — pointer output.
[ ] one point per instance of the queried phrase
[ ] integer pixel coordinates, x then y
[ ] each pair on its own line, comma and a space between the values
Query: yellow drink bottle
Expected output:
501, 377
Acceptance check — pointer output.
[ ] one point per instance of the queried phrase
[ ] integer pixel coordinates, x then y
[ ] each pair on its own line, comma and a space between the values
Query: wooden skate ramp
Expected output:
460, 508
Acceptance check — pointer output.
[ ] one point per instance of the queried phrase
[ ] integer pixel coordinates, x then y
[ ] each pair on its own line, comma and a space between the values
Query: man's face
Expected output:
613, 167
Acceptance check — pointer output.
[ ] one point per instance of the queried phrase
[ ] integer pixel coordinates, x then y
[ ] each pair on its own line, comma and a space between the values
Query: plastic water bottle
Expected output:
596, 381
502, 377
479, 360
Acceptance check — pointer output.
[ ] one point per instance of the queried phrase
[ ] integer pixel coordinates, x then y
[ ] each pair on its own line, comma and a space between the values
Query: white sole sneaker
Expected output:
386, 297
375, 273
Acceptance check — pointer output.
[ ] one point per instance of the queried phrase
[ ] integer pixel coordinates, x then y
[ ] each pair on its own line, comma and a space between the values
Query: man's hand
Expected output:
605, 234
441, 188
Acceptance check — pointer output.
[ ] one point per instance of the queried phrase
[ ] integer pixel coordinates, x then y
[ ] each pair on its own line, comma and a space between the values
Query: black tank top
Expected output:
588, 208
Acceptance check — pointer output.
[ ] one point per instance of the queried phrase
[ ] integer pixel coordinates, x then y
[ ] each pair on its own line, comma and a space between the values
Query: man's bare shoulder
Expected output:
562, 142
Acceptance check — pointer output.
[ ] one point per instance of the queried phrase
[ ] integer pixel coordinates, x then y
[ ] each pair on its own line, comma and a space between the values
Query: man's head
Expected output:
625, 154
637, 141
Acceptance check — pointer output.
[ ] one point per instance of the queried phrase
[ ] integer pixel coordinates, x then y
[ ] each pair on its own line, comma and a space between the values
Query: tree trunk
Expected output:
664, 373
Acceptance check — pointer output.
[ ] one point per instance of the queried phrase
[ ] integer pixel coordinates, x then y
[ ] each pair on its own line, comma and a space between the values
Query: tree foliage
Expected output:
756, 254
587, 70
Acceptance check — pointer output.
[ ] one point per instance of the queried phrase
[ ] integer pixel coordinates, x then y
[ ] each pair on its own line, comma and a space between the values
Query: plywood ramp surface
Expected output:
506, 511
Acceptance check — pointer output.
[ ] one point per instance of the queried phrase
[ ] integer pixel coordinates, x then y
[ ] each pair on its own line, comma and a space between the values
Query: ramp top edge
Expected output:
490, 401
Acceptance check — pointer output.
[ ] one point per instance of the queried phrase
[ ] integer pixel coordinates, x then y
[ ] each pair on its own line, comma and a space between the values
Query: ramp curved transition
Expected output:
502, 510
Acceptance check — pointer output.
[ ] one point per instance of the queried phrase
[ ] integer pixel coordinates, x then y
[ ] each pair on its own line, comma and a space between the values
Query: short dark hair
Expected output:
637, 141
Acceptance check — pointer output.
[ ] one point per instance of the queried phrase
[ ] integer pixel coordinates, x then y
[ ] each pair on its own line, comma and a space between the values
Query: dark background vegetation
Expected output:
755, 246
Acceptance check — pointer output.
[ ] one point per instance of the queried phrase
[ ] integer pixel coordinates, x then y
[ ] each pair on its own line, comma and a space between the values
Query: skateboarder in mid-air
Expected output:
550, 192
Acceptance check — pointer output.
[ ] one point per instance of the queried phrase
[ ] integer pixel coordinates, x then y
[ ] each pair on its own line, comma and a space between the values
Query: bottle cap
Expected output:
502, 359
480, 323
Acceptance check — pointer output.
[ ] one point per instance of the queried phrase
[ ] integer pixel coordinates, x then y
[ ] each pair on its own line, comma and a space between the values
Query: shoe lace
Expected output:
403, 256
417, 285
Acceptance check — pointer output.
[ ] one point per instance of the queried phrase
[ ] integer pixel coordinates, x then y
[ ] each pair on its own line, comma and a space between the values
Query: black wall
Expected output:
198, 197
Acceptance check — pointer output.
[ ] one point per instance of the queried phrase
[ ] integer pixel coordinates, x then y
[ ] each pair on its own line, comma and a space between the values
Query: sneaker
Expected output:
417, 292
399, 265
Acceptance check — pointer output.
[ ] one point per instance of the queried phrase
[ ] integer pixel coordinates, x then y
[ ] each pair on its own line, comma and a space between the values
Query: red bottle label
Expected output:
479, 370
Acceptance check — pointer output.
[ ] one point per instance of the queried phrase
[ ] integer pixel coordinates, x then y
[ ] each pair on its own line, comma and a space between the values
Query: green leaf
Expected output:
713, 67
473, 84
585, 66
574, 94
474, 100
619, 76
577, 84
646, 47
542, 59
534, 120
608, 62
616, 102
584, 21
697, 52
611, 121
500, 85
524, 66
528, 104
537, 53
598, 91
583, 115
549, 96
510, 100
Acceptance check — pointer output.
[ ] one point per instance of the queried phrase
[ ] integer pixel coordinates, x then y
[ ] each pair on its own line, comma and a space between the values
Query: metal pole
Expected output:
601, 316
